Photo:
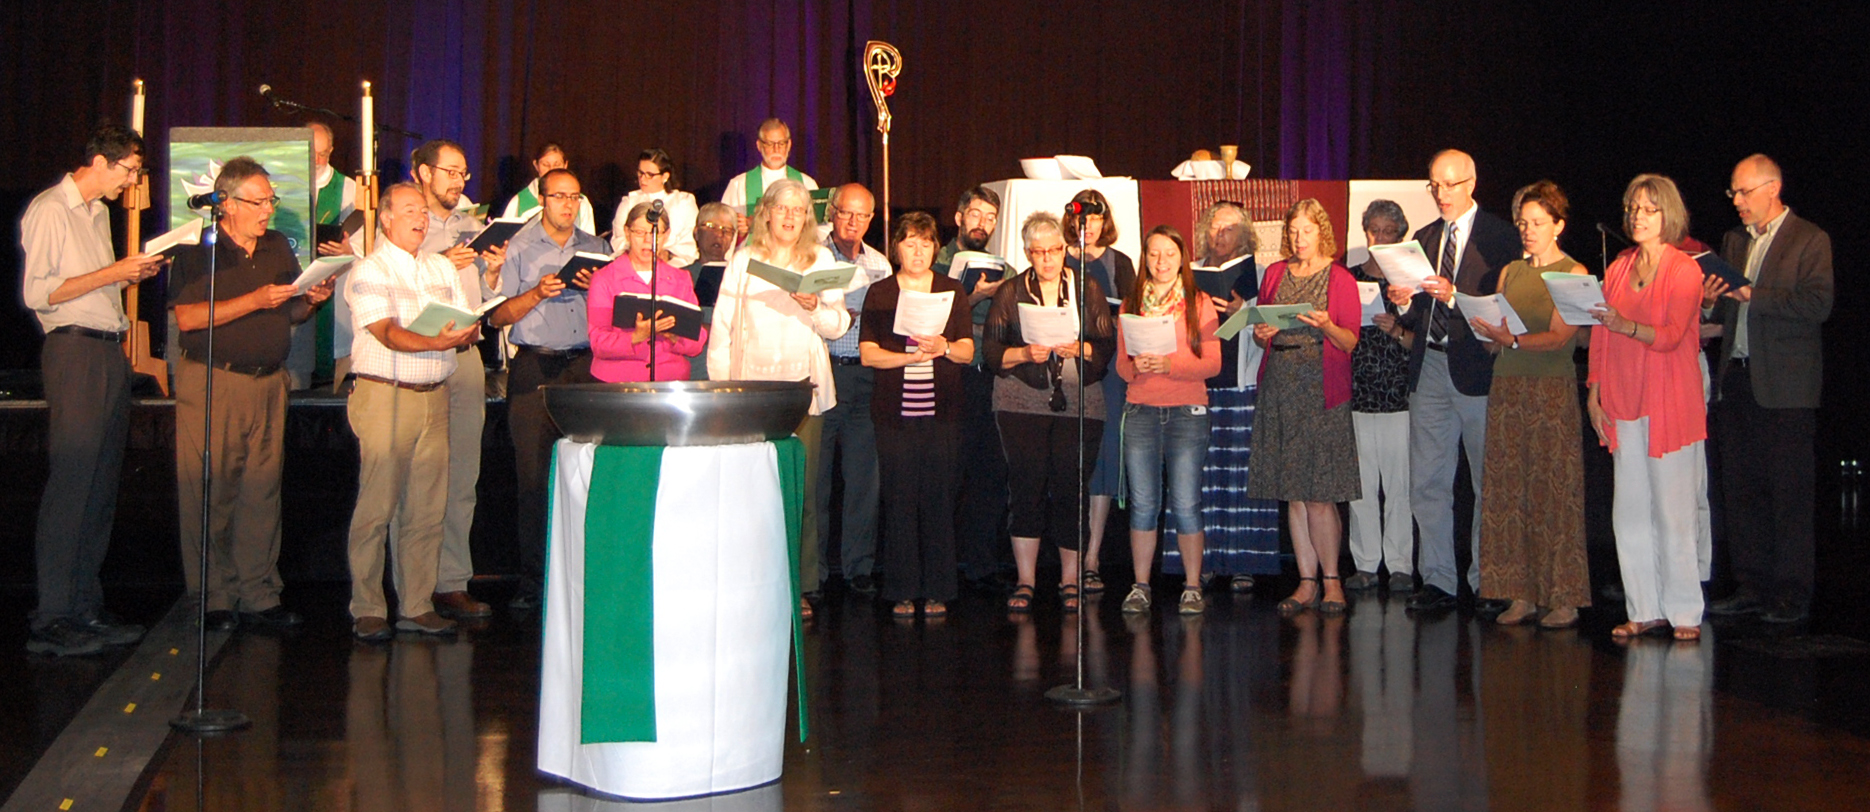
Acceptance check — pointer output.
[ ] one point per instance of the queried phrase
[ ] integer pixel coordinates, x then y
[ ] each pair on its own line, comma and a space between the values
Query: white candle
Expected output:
136, 109
369, 163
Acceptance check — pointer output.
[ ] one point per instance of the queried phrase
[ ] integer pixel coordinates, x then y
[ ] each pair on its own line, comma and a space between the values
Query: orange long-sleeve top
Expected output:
1661, 380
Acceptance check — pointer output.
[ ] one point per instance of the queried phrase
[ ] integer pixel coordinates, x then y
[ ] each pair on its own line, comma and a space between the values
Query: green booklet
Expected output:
835, 277
1284, 317
437, 315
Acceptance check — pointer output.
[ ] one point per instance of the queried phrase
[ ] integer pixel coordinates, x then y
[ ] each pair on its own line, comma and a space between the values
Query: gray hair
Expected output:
1246, 245
389, 193
1038, 223
715, 212
1385, 220
236, 172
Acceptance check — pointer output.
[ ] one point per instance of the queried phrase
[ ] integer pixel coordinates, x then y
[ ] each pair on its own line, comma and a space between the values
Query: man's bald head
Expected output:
1755, 188
852, 209
1451, 179
321, 143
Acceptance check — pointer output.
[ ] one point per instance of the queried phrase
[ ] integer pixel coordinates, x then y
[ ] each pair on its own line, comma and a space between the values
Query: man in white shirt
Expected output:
399, 411
73, 282
847, 425
774, 142
440, 169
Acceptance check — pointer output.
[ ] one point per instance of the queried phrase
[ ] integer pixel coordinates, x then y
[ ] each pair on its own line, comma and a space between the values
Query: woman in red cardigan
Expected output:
1165, 415
1305, 450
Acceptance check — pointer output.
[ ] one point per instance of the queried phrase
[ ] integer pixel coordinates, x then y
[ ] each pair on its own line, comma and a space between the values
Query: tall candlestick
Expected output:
369, 163
136, 109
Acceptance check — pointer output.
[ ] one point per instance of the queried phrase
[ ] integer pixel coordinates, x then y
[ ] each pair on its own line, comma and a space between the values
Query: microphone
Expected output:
207, 199
1085, 207
267, 91
655, 212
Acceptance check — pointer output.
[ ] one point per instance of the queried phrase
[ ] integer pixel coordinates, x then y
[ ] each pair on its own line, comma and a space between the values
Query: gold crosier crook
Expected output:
882, 63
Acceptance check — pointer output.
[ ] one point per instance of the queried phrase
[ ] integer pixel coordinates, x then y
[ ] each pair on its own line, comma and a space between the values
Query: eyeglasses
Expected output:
562, 197
1437, 187
791, 211
264, 203
135, 171
641, 174
783, 142
1732, 193
982, 216
860, 216
1041, 253
717, 227
458, 174
639, 233
1646, 211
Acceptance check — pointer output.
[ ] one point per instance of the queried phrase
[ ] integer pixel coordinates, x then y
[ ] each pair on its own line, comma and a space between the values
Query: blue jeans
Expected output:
1165, 442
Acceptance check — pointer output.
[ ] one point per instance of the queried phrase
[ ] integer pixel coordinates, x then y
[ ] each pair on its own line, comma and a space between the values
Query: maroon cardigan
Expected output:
1346, 311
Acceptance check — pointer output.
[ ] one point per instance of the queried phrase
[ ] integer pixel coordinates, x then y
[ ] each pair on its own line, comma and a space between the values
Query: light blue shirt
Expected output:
560, 322
873, 267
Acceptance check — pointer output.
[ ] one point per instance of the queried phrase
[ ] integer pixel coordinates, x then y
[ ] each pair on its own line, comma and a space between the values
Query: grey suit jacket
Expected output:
1791, 300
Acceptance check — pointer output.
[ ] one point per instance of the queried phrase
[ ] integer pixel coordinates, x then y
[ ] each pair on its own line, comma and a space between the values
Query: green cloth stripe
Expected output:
619, 703
791, 456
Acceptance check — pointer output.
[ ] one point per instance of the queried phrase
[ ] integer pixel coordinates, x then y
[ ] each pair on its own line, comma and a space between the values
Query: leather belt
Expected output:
250, 370
1438, 347
847, 360
413, 387
575, 352
1291, 347
101, 335
1742, 361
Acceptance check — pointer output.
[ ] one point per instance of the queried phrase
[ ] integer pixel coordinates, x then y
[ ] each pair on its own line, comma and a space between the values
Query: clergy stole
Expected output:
619, 690
756, 183
328, 204
528, 199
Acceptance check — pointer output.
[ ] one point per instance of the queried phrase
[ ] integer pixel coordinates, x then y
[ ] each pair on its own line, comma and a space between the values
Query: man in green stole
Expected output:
334, 200
774, 142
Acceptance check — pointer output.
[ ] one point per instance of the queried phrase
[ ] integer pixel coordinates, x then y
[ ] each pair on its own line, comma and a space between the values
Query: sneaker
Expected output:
63, 638
1361, 581
1137, 602
372, 629
112, 630
426, 623
1192, 603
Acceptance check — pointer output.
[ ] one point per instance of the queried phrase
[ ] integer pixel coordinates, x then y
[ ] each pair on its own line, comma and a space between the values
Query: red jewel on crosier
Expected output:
889, 87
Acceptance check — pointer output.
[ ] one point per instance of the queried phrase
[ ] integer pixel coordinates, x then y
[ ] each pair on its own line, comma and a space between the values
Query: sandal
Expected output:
1068, 595
1687, 634
1291, 606
1632, 629
1020, 602
1093, 583
1329, 607
903, 610
934, 609
805, 609
1241, 583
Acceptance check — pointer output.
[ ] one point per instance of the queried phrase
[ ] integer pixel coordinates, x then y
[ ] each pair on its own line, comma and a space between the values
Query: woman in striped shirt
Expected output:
917, 409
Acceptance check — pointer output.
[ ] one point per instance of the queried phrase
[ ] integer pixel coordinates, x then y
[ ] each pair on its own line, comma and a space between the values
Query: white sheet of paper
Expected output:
1404, 264
1148, 335
1370, 293
188, 233
1575, 294
1047, 326
321, 269
922, 314
1490, 309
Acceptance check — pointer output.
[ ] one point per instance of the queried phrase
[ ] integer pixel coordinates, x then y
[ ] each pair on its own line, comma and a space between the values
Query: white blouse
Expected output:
679, 239
761, 334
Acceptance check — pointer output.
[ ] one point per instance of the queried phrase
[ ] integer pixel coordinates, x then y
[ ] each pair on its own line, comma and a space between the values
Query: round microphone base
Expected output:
1076, 696
210, 722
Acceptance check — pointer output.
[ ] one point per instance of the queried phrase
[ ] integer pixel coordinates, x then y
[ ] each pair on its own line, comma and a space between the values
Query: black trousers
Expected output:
1768, 479
980, 520
917, 459
1049, 473
533, 435
87, 397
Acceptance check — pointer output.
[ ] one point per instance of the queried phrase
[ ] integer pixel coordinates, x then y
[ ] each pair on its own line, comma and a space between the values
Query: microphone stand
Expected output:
655, 311
203, 721
1076, 693
295, 107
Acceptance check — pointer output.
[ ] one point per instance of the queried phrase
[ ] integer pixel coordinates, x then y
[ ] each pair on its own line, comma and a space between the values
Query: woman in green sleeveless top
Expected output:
1532, 492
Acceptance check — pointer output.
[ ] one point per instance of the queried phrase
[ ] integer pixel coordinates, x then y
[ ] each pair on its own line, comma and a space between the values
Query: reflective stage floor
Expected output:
1240, 709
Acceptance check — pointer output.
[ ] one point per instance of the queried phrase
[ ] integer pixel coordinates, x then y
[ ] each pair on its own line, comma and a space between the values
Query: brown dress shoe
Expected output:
426, 623
460, 605
371, 629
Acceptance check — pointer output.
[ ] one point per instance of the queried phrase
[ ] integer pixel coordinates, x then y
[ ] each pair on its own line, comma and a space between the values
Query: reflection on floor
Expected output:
1237, 710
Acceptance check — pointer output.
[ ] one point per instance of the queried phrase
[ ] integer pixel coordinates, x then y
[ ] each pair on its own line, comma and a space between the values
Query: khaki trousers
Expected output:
402, 449
247, 442
467, 411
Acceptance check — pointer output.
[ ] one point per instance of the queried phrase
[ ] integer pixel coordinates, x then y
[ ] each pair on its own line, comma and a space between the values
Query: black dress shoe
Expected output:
1787, 613
1491, 606
278, 617
1742, 602
1430, 599
63, 638
222, 620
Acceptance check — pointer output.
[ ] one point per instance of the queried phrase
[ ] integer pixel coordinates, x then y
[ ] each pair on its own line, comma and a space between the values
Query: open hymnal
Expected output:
984, 265
188, 233
321, 269
436, 316
1712, 265
1218, 280
1575, 295
1047, 326
1370, 295
627, 307
1148, 335
1404, 264
922, 314
835, 277
496, 233
1490, 309
581, 261
1283, 317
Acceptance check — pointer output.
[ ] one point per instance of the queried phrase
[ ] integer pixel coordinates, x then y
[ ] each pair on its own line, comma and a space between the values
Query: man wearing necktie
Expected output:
1450, 372
1770, 376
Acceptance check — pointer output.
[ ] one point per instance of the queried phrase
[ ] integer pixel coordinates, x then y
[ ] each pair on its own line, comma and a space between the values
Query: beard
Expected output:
975, 240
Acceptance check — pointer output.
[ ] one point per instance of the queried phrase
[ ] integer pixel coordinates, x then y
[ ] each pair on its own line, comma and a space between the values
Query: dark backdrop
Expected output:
1587, 94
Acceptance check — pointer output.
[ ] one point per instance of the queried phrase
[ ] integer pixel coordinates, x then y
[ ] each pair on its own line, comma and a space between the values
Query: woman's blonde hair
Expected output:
1663, 193
1312, 210
800, 255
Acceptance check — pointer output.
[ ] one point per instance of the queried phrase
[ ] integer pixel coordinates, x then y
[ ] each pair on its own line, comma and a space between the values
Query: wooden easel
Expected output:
136, 342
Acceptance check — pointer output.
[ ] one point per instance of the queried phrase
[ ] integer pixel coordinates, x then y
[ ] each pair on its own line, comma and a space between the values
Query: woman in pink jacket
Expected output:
623, 354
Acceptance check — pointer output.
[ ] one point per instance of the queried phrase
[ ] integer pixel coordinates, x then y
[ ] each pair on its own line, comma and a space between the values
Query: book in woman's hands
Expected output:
835, 277
628, 306
437, 315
